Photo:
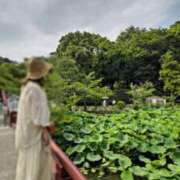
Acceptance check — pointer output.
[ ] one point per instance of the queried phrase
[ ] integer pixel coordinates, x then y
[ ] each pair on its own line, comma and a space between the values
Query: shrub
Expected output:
140, 93
120, 104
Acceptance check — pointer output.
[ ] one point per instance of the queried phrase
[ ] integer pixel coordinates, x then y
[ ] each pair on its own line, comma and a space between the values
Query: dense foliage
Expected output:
170, 73
140, 93
133, 58
68, 86
10, 74
134, 143
88, 66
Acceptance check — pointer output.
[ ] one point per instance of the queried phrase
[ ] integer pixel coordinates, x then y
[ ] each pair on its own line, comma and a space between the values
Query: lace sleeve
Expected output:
39, 111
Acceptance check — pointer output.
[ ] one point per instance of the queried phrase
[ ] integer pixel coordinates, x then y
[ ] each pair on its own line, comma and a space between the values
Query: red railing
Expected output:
64, 168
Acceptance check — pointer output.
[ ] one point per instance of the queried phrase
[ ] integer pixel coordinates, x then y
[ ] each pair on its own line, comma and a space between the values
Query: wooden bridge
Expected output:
7, 154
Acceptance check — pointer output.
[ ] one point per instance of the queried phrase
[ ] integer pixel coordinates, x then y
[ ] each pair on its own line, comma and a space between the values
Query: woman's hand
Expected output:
46, 136
51, 128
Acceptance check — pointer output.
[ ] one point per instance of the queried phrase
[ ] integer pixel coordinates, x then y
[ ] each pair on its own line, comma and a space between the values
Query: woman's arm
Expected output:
45, 136
47, 131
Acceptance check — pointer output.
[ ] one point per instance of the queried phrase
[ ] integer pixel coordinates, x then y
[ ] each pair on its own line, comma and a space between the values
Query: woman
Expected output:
32, 138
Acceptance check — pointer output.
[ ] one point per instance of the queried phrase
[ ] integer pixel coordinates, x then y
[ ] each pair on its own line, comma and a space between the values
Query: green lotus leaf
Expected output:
139, 171
149, 167
93, 170
86, 130
113, 169
79, 159
158, 149
106, 164
176, 158
111, 155
157, 174
124, 161
154, 176
174, 168
78, 140
164, 172
124, 141
86, 164
150, 135
159, 162
144, 159
69, 136
80, 148
144, 147
127, 175
154, 141
93, 157
170, 143
70, 150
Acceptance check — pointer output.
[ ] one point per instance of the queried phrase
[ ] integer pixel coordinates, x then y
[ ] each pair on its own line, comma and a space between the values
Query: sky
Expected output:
34, 27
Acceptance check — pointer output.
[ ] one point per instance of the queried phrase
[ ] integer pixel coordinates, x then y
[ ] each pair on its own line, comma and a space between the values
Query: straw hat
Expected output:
37, 68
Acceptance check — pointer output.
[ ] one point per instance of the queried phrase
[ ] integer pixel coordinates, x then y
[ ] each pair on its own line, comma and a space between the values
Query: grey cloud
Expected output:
70, 14
33, 27
12, 32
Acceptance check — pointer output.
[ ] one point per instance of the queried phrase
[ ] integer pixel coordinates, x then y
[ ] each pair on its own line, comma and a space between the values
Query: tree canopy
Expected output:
170, 73
138, 55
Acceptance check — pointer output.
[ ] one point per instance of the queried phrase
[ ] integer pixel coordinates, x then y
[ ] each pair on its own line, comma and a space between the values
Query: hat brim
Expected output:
45, 72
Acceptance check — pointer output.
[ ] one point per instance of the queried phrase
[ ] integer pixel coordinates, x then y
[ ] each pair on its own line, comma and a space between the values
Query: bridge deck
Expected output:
7, 154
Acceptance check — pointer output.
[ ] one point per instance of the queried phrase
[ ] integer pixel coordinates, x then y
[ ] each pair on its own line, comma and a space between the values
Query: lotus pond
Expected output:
134, 144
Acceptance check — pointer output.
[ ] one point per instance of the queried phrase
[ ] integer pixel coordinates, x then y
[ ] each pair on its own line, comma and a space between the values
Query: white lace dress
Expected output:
34, 158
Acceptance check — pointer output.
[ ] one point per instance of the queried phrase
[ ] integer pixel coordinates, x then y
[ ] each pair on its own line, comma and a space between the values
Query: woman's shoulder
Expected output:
32, 87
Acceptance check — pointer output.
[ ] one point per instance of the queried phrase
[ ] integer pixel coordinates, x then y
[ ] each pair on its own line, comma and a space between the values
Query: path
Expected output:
7, 154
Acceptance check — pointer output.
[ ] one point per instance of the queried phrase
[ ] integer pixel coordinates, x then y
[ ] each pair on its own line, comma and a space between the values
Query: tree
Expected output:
170, 73
11, 75
67, 85
173, 37
84, 48
142, 50
5, 60
55, 89
89, 88
59, 84
140, 93
111, 67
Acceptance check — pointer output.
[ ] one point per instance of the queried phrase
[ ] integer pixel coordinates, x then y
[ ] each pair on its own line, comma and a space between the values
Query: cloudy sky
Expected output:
33, 27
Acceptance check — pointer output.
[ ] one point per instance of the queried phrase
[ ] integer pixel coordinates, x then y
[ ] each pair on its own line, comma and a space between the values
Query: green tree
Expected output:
11, 75
67, 85
59, 84
89, 88
170, 73
55, 87
141, 50
139, 93
84, 48
173, 37
5, 60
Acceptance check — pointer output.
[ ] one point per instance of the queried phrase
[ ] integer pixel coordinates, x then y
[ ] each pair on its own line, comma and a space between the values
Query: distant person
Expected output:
4, 100
32, 137
12, 104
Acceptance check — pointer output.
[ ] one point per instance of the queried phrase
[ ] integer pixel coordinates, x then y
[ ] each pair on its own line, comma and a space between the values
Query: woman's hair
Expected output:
38, 81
